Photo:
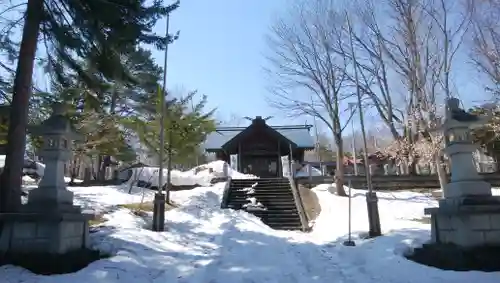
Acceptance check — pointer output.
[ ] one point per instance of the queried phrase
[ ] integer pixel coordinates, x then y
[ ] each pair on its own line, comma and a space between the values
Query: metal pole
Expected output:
169, 162
351, 107
371, 197
159, 203
197, 159
349, 242
317, 149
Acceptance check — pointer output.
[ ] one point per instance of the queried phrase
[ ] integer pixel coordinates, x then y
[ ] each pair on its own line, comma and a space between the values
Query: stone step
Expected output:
266, 194
283, 205
282, 223
270, 210
269, 205
275, 194
278, 212
258, 189
250, 184
262, 198
259, 184
268, 197
285, 227
263, 189
280, 218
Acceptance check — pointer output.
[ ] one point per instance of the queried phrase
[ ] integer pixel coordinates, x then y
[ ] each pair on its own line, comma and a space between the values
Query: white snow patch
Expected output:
201, 175
206, 244
304, 171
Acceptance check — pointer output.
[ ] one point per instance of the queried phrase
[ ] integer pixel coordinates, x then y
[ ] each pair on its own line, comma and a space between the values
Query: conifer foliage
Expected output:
96, 31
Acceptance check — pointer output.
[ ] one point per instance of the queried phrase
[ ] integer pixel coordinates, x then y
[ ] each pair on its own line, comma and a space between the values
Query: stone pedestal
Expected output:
466, 225
468, 215
44, 233
49, 222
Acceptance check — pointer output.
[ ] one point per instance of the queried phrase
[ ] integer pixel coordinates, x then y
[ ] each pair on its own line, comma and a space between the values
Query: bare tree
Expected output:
415, 42
309, 76
373, 65
486, 41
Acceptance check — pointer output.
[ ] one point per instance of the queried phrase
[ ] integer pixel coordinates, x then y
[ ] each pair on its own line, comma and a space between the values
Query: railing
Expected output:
225, 194
299, 204
392, 182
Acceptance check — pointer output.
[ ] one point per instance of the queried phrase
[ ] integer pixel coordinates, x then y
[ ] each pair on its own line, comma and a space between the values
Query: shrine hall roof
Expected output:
299, 135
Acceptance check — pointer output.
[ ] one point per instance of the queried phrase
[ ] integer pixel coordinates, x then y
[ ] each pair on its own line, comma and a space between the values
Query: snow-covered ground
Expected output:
204, 244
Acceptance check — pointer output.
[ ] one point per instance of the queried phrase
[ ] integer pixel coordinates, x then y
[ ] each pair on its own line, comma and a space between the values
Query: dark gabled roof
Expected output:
299, 135
252, 130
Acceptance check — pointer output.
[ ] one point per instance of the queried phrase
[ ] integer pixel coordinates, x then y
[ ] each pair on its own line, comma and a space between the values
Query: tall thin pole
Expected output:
318, 155
349, 242
361, 117
163, 108
159, 204
353, 143
169, 162
197, 159
371, 197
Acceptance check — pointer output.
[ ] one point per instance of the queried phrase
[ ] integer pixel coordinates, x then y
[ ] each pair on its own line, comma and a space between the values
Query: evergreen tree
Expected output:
185, 127
94, 29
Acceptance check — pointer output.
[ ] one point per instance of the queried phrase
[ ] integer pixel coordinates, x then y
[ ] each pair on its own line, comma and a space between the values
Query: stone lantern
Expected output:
49, 222
57, 136
465, 180
468, 215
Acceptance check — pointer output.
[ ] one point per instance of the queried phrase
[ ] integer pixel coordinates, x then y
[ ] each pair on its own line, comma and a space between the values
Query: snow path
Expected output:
204, 244
251, 257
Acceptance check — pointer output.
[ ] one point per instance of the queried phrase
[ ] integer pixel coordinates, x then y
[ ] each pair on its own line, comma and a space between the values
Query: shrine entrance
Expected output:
259, 147
265, 166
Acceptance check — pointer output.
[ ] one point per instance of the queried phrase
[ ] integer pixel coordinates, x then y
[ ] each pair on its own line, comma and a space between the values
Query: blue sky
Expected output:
220, 53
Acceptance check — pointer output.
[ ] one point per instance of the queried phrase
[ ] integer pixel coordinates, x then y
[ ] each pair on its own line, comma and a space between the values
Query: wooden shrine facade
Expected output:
259, 147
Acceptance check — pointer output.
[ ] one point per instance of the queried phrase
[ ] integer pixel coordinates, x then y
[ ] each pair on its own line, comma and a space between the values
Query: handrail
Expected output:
299, 204
225, 194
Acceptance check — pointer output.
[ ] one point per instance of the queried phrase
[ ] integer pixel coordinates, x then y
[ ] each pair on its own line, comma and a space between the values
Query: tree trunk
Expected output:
339, 173
101, 168
10, 181
443, 177
74, 169
104, 160
412, 166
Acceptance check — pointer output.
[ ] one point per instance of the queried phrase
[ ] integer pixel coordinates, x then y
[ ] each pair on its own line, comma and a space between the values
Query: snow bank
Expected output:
28, 164
304, 171
397, 210
201, 175
382, 259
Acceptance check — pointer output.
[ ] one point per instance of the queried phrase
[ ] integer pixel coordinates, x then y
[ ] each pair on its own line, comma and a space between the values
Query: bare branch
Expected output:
310, 77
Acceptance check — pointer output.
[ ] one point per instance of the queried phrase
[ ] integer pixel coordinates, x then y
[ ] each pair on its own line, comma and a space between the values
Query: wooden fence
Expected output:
391, 182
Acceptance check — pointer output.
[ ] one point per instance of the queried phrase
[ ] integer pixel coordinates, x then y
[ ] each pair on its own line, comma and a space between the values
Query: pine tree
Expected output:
94, 29
186, 127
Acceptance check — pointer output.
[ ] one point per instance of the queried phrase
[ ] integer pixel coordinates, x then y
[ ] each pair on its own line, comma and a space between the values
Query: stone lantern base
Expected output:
472, 222
52, 233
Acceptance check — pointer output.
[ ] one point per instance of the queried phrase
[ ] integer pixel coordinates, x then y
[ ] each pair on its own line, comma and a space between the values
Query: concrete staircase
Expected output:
279, 209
